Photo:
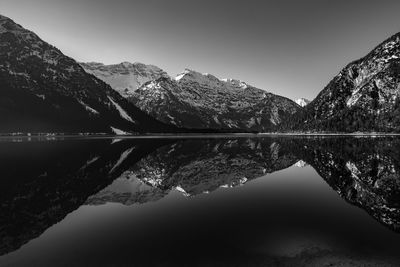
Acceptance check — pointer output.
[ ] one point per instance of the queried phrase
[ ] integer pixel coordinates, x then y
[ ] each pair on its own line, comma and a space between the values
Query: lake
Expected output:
223, 201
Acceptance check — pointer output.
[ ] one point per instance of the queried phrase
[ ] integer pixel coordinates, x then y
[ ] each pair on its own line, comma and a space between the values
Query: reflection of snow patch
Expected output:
301, 164
121, 159
180, 189
242, 181
116, 140
353, 169
92, 160
41, 96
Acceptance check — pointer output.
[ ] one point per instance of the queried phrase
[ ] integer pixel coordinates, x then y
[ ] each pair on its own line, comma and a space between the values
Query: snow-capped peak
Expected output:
182, 74
236, 83
302, 102
194, 76
210, 80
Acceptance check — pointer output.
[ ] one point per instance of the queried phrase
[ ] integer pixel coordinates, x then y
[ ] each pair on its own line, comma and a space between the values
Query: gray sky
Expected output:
291, 48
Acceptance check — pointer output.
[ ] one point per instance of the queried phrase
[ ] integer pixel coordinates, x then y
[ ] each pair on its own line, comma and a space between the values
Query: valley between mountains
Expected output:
44, 91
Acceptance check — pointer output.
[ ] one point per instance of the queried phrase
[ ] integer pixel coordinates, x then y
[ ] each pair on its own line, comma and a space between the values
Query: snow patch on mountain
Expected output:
235, 83
353, 98
122, 158
182, 74
88, 108
210, 80
121, 111
302, 102
118, 131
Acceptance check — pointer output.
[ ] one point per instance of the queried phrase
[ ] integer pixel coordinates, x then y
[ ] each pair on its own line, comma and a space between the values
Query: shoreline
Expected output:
189, 135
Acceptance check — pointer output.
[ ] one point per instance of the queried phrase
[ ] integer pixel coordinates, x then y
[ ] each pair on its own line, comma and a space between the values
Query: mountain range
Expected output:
42, 90
195, 100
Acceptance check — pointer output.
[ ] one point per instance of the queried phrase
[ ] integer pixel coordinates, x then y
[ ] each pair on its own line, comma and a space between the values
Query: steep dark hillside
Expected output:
364, 96
42, 90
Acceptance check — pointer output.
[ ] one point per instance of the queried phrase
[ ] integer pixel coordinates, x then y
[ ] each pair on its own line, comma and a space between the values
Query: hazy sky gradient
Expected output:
292, 48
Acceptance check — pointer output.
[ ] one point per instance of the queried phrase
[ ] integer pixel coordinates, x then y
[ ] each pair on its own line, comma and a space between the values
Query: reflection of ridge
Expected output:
127, 190
300, 164
364, 173
56, 181
52, 179
210, 164
196, 167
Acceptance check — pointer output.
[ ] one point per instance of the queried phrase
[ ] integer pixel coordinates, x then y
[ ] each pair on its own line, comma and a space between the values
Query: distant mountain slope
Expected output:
125, 77
364, 96
42, 90
195, 100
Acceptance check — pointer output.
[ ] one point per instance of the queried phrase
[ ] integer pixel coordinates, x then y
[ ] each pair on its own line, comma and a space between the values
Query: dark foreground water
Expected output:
271, 201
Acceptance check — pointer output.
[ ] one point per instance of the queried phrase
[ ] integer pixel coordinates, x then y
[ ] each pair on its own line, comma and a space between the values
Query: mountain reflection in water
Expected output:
43, 182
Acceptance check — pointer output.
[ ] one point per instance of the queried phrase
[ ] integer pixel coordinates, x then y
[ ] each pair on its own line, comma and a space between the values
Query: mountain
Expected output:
42, 90
195, 100
125, 77
364, 96
302, 102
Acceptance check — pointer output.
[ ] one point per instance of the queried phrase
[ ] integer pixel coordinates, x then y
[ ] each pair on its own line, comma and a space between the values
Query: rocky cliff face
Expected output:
42, 90
364, 96
195, 100
125, 77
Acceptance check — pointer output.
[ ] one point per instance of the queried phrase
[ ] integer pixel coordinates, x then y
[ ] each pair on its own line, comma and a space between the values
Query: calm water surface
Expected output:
270, 201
